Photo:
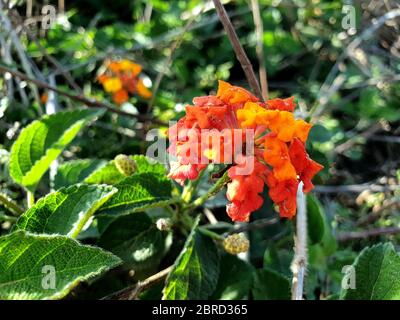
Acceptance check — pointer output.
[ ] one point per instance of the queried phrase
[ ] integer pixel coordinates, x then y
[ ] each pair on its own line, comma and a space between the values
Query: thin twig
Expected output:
356, 188
237, 47
255, 225
19, 49
90, 102
210, 216
299, 263
378, 213
219, 184
49, 58
6, 218
260, 47
356, 235
132, 292
55, 63
353, 140
7, 202
348, 52
168, 62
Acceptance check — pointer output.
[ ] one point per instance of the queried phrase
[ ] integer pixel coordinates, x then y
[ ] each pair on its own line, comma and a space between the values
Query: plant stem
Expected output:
237, 47
257, 224
190, 189
4, 217
212, 192
299, 263
211, 234
168, 62
30, 199
11, 205
133, 292
355, 235
260, 47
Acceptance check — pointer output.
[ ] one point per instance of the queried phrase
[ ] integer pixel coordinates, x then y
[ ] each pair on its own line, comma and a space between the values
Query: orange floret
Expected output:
142, 90
120, 96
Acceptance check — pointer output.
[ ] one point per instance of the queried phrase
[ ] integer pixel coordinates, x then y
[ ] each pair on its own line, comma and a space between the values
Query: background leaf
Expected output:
139, 192
42, 141
75, 171
23, 257
270, 285
135, 239
315, 217
235, 279
196, 270
109, 173
377, 272
65, 211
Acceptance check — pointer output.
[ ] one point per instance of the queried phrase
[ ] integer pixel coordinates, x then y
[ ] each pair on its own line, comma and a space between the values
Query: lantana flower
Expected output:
216, 128
121, 78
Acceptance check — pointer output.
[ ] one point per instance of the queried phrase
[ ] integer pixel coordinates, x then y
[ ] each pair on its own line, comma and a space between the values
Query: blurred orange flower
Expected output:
121, 78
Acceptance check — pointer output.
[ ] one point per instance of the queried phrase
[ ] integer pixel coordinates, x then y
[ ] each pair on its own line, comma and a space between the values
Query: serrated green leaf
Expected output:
42, 141
377, 274
109, 173
65, 211
28, 263
135, 239
315, 217
270, 285
196, 270
139, 192
235, 279
75, 171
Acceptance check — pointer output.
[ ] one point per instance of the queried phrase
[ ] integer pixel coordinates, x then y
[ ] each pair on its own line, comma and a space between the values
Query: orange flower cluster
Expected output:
278, 160
121, 79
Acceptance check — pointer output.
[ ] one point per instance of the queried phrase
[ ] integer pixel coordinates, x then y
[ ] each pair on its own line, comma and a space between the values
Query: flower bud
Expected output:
125, 164
163, 224
236, 243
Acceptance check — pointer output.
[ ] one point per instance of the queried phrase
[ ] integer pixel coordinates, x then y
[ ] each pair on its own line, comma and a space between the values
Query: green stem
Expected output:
190, 189
187, 192
30, 199
11, 205
211, 234
212, 192
4, 217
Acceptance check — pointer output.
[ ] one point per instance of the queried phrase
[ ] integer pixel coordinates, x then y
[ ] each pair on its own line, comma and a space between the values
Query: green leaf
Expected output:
196, 270
42, 141
135, 239
270, 285
278, 260
27, 263
377, 274
139, 192
235, 279
315, 217
65, 211
109, 173
75, 171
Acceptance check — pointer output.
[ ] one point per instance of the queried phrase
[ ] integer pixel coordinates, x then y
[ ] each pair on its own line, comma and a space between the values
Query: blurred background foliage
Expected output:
350, 93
